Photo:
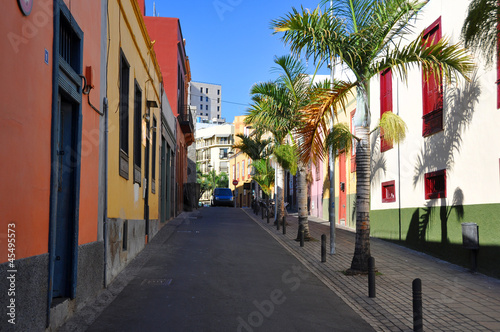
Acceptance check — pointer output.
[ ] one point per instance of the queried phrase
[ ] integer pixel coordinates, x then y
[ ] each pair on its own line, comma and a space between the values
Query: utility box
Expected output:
470, 235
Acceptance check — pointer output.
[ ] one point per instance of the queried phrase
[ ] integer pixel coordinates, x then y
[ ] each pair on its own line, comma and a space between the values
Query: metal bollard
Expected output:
267, 214
301, 236
417, 305
284, 225
323, 248
371, 277
278, 224
262, 213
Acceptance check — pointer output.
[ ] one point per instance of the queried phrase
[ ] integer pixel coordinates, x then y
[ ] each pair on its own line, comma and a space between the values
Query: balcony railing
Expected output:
186, 120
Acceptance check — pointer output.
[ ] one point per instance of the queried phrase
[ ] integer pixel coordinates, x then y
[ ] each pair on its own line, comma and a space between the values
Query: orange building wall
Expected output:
25, 126
88, 16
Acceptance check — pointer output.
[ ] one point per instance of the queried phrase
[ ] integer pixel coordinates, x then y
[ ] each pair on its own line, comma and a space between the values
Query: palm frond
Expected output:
339, 138
264, 175
317, 118
440, 59
286, 155
480, 30
393, 127
314, 32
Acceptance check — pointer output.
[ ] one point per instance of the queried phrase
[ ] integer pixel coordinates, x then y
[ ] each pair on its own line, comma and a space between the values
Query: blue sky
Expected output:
229, 42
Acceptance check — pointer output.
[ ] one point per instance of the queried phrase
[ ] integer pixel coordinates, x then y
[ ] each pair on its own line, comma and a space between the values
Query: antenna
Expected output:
154, 9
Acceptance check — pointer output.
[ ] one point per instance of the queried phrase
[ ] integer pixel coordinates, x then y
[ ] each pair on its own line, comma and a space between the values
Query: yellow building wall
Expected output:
350, 175
128, 34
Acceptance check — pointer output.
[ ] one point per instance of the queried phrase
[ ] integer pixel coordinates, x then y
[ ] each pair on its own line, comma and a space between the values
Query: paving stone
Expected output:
453, 298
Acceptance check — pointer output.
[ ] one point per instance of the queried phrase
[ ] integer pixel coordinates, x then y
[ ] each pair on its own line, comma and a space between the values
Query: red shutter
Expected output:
432, 90
385, 103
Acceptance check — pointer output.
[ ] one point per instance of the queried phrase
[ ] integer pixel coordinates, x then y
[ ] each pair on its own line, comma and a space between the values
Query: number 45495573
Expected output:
11, 234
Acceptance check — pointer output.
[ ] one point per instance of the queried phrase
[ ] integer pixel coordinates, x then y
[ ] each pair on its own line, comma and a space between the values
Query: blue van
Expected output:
222, 197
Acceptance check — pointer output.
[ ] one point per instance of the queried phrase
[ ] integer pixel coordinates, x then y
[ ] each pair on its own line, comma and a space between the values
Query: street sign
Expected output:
235, 182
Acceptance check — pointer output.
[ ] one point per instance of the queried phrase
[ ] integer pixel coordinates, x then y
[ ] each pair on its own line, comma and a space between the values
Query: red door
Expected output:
342, 189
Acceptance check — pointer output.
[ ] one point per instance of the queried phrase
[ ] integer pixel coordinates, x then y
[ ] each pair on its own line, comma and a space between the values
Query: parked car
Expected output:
222, 197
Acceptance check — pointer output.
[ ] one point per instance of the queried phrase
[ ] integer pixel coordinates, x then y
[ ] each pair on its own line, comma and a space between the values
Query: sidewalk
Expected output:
453, 298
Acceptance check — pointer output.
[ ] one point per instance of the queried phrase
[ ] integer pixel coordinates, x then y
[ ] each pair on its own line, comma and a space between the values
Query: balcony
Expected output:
185, 119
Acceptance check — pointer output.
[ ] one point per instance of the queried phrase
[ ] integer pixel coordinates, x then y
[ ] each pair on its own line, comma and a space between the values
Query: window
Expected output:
238, 171
137, 133
206, 114
201, 98
353, 145
123, 115
206, 90
206, 108
201, 91
432, 90
201, 106
218, 108
385, 103
243, 170
234, 172
218, 100
218, 116
218, 92
435, 184
388, 192
223, 153
206, 99
180, 90
153, 156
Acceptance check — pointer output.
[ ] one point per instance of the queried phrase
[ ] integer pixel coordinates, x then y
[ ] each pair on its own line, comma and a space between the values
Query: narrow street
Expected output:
219, 271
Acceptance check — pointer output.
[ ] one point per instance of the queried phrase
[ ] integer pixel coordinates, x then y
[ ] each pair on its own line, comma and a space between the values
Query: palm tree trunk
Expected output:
302, 201
362, 247
279, 203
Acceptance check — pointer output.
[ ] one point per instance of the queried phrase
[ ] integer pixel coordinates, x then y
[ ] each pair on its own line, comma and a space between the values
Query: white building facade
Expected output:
446, 172
213, 144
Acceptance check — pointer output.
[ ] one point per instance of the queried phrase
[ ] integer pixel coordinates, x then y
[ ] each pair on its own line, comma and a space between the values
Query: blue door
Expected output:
67, 159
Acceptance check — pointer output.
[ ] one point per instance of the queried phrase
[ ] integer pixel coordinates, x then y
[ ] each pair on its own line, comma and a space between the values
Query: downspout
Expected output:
399, 166
331, 164
105, 108
105, 210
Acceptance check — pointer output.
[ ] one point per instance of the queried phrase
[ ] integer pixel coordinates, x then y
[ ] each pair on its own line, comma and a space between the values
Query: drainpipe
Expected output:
399, 166
105, 210
331, 164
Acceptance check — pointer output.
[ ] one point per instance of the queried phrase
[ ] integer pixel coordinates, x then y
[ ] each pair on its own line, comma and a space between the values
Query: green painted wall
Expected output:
350, 210
437, 230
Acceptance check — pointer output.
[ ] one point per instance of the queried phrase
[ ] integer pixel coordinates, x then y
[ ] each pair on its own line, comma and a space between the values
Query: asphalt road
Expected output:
220, 271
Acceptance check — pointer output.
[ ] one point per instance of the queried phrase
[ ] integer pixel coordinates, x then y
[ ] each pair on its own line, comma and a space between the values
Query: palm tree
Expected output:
253, 146
264, 176
480, 30
275, 108
365, 35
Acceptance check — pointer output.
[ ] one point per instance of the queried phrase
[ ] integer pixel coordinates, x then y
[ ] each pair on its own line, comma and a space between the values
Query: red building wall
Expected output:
169, 48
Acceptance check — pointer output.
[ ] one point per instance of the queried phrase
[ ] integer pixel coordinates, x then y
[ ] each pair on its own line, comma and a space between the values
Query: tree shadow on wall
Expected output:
440, 149
439, 153
378, 163
421, 218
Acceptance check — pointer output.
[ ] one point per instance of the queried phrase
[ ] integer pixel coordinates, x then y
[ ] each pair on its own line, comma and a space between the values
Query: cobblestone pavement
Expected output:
453, 298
